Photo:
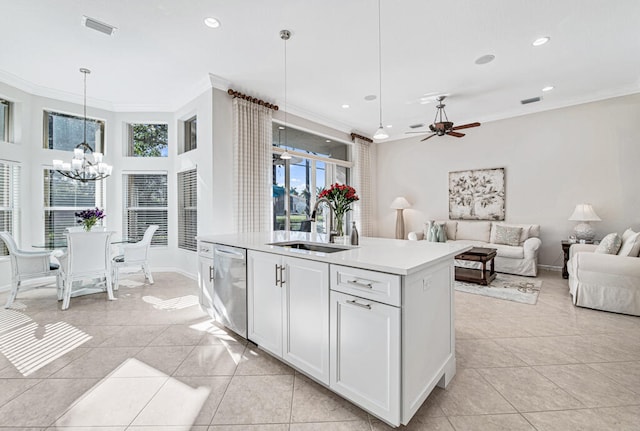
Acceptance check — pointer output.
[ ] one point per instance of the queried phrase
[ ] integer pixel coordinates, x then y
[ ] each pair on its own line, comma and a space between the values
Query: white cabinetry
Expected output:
365, 354
205, 274
288, 310
365, 339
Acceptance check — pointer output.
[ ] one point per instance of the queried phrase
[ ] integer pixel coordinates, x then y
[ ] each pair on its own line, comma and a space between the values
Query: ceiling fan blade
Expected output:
456, 134
465, 126
430, 136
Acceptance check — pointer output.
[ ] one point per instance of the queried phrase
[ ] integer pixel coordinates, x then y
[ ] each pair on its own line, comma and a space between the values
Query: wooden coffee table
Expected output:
482, 276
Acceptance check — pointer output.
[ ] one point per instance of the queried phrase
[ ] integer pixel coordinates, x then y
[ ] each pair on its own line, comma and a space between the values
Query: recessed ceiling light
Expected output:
541, 41
370, 97
211, 22
389, 126
327, 140
485, 59
548, 88
281, 127
345, 106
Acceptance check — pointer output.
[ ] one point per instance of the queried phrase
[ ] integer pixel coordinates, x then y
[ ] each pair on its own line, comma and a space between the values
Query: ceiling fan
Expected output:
441, 124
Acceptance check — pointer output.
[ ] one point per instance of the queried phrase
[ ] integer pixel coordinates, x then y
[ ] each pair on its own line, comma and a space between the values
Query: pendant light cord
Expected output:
380, 58
85, 107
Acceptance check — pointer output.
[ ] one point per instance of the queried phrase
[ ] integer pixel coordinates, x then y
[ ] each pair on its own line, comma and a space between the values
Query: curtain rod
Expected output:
364, 138
260, 102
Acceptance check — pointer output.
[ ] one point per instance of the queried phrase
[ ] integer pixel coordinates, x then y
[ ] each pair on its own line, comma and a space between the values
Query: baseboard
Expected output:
176, 270
7, 287
550, 268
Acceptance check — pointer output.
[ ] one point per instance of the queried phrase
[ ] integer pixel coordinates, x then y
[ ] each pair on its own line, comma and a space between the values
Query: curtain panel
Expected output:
364, 164
252, 141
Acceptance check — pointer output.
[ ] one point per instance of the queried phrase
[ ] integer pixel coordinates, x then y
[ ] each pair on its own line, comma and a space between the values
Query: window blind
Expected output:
187, 209
63, 197
9, 201
145, 203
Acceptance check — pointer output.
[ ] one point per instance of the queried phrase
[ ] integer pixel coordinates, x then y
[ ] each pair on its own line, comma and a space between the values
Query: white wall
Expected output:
554, 160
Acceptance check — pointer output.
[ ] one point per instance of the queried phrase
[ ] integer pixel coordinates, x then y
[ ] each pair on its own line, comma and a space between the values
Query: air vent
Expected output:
416, 126
98, 26
532, 100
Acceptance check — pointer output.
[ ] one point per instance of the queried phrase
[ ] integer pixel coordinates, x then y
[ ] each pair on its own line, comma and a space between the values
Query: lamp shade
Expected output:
400, 203
584, 212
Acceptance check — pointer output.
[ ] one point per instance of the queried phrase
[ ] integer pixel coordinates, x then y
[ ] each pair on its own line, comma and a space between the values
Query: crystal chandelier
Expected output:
86, 165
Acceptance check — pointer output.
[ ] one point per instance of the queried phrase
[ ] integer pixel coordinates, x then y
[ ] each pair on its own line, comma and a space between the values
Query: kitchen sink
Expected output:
311, 246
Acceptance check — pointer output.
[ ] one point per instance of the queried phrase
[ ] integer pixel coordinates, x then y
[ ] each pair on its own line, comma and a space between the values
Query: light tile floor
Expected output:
153, 361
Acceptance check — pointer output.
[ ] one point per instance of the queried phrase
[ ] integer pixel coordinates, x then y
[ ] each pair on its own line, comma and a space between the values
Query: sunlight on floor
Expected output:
140, 393
173, 303
30, 346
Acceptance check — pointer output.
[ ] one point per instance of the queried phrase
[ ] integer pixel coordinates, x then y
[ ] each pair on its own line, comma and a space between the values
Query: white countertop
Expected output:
379, 254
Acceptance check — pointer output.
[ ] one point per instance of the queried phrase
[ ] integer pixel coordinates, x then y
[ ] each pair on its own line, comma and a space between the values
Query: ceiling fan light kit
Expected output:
442, 126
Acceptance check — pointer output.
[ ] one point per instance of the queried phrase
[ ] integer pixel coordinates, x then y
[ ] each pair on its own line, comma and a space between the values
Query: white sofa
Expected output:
604, 281
521, 259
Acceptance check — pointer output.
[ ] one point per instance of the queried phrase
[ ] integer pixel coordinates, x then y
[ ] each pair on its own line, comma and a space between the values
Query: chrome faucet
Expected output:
332, 233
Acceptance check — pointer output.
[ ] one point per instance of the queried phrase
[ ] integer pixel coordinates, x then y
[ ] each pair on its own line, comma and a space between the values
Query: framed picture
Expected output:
476, 194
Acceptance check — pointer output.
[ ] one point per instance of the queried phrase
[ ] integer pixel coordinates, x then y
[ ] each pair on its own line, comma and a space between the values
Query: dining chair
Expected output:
27, 265
134, 255
87, 257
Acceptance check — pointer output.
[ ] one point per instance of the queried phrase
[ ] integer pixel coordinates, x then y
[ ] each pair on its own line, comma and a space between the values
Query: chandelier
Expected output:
86, 165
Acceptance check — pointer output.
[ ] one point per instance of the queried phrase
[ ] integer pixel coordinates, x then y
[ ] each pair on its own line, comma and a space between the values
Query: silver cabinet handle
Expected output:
352, 302
210, 273
360, 284
278, 283
282, 280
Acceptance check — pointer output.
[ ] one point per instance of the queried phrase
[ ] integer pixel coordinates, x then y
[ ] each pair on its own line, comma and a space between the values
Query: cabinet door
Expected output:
264, 301
205, 283
365, 354
306, 317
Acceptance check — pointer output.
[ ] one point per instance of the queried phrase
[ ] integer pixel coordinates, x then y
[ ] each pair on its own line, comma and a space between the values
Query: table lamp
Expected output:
584, 213
400, 204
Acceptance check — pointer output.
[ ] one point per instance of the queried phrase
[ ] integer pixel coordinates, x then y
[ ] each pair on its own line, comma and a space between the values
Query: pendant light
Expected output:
380, 133
86, 164
285, 35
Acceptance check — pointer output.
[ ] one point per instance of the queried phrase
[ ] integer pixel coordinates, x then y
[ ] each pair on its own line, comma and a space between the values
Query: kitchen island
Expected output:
373, 323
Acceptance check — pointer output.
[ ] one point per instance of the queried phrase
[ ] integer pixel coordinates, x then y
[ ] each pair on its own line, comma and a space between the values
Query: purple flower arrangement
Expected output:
88, 218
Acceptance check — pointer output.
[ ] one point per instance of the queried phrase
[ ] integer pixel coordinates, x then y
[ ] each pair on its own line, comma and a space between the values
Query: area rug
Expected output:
505, 286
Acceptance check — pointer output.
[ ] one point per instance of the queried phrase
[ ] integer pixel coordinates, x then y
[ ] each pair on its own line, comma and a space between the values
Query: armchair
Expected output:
604, 281
27, 265
135, 255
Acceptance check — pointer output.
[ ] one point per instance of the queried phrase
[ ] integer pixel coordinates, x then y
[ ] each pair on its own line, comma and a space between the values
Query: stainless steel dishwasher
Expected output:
226, 301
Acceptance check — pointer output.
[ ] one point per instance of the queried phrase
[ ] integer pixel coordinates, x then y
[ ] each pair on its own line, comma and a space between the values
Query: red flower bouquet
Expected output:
340, 197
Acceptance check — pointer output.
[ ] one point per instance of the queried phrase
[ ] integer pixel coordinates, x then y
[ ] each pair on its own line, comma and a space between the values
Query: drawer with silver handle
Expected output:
205, 249
377, 286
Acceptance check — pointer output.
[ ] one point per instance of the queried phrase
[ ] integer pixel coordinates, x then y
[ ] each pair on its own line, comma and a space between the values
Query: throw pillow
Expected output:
610, 244
630, 244
508, 235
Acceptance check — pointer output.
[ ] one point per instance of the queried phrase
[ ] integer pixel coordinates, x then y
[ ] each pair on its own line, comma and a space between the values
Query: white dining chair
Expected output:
87, 257
135, 255
27, 265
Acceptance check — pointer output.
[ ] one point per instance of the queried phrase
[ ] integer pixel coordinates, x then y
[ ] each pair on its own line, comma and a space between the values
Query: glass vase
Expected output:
339, 224
88, 224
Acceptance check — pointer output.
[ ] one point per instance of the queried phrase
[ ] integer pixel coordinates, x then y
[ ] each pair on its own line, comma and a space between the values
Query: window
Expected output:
9, 201
317, 163
63, 197
148, 140
190, 134
64, 132
145, 203
187, 209
5, 107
